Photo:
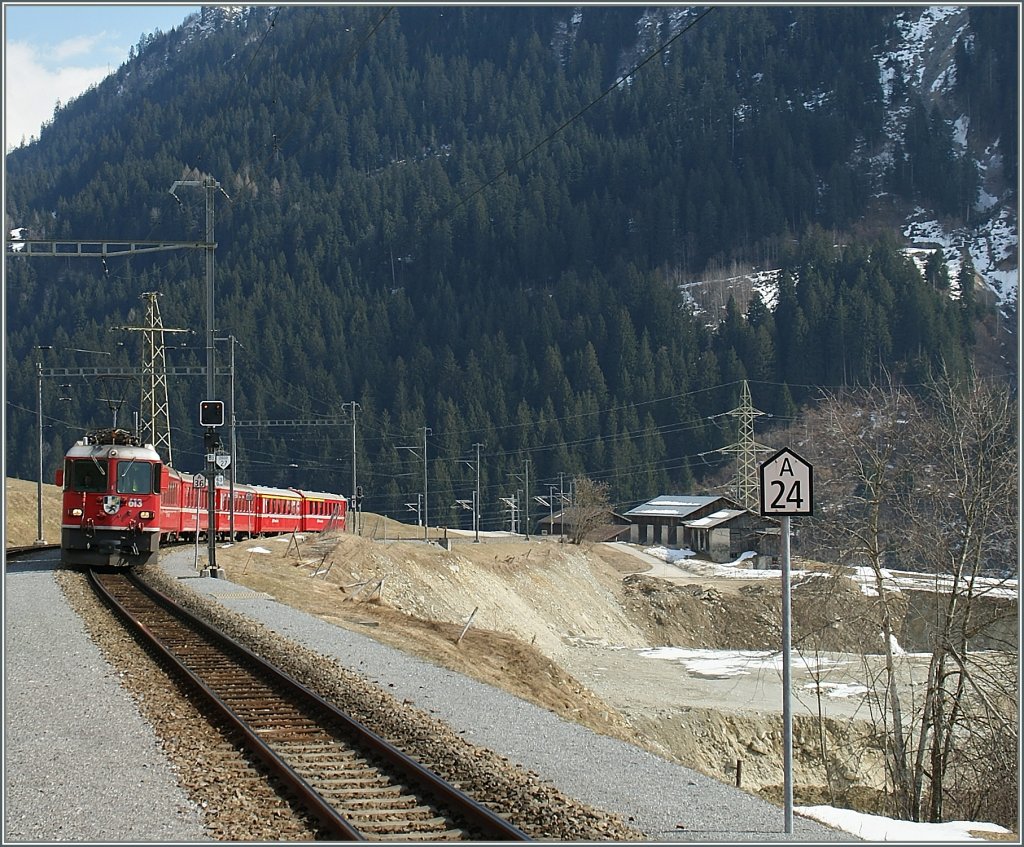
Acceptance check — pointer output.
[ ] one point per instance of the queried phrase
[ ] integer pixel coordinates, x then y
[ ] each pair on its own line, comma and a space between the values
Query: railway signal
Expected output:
211, 413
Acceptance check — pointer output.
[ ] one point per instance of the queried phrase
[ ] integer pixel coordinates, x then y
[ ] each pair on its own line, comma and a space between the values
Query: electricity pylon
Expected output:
746, 452
154, 411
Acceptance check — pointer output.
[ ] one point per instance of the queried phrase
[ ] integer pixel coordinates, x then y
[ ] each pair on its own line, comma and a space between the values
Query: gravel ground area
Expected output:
80, 762
664, 801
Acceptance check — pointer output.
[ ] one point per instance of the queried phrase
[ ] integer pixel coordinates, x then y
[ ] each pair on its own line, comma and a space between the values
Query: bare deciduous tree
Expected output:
929, 484
589, 509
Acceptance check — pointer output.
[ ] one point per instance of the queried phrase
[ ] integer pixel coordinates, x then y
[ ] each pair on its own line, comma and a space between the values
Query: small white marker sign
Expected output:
787, 485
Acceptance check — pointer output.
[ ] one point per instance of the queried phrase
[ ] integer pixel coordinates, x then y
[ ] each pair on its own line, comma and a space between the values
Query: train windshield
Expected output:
134, 477
87, 475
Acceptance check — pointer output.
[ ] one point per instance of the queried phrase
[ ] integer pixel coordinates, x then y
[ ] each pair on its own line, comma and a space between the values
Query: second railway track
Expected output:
353, 782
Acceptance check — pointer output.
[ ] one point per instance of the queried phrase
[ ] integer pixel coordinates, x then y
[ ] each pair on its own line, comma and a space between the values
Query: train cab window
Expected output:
88, 475
134, 477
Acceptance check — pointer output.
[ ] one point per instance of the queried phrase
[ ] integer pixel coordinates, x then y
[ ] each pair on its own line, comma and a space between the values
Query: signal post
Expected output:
211, 416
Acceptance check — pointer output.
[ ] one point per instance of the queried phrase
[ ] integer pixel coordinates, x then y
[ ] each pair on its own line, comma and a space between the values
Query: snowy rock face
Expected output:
920, 58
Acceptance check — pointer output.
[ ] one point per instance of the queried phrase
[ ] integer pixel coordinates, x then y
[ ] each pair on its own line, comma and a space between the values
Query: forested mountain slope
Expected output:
477, 220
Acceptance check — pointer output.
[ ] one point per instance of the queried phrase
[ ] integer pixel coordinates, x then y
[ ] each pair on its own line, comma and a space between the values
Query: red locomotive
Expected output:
120, 501
111, 506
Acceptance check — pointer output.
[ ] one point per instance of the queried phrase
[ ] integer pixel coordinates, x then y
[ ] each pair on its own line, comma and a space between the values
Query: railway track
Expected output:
355, 784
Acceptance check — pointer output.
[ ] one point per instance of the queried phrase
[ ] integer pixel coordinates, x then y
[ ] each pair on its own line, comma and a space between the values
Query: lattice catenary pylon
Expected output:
154, 411
746, 450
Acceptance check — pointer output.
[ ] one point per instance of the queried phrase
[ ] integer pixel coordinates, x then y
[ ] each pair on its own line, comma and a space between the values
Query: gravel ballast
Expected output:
80, 763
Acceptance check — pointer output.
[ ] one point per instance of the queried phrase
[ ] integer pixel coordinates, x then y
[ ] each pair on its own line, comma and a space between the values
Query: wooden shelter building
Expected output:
712, 526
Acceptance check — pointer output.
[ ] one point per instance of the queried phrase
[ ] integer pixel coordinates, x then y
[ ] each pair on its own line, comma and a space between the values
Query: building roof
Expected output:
718, 518
673, 505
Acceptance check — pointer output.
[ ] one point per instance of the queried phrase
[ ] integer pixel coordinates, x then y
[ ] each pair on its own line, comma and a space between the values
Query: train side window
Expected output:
89, 475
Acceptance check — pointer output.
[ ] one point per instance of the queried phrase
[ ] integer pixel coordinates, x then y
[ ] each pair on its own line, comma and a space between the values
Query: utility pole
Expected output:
476, 493
211, 186
527, 500
746, 450
231, 433
476, 513
39, 483
561, 501
551, 506
426, 431
512, 511
355, 407
525, 480
426, 508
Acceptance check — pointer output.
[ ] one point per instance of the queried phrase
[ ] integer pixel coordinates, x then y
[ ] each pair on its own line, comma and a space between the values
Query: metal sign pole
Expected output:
787, 489
198, 501
787, 687
39, 481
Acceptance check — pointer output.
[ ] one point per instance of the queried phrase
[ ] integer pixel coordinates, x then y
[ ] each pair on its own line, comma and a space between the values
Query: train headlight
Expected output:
76, 513
146, 515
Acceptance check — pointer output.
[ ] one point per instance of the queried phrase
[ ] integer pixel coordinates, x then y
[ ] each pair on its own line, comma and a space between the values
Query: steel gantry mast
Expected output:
154, 406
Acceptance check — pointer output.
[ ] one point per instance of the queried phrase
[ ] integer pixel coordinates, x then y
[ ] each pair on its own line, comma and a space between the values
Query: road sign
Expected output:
199, 481
222, 460
787, 485
219, 480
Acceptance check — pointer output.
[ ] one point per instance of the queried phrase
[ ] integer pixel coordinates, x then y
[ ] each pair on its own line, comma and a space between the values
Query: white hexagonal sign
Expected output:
787, 485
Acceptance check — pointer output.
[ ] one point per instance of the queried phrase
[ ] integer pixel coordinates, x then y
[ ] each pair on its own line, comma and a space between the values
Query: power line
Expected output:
278, 140
621, 79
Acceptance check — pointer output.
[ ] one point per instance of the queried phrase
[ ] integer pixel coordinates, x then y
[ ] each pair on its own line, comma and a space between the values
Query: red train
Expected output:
120, 501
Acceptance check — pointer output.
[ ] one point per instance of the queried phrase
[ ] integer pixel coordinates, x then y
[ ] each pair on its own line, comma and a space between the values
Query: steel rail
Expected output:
24, 550
477, 815
16, 554
337, 827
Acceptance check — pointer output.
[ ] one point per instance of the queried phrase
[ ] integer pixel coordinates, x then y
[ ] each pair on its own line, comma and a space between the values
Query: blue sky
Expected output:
56, 51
